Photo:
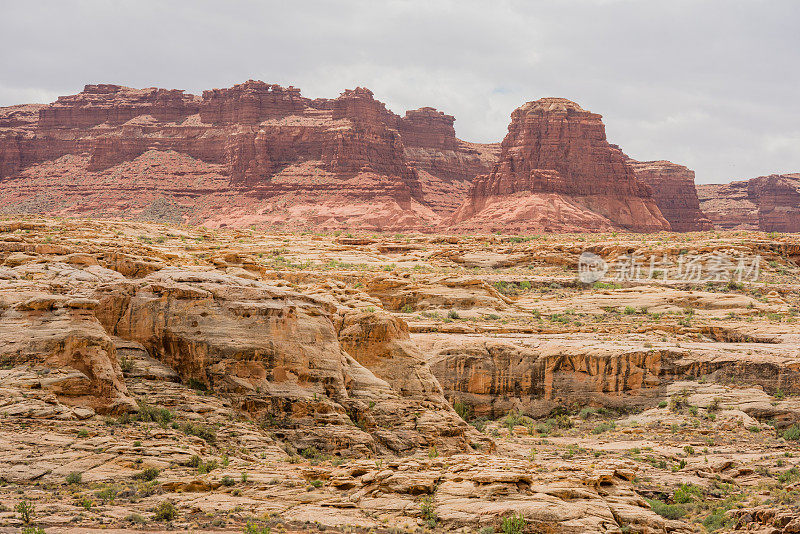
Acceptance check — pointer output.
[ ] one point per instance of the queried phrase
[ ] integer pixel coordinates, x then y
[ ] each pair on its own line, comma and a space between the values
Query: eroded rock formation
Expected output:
254, 153
263, 154
768, 203
674, 192
557, 172
254, 380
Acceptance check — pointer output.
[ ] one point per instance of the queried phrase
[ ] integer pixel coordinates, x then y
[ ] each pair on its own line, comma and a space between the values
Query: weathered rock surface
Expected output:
538, 374
254, 153
304, 382
277, 354
767, 203
557, 172
674, 193
262, 154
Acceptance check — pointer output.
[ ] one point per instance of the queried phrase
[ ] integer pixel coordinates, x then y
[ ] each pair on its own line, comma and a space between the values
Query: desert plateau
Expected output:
167, 377
509, 267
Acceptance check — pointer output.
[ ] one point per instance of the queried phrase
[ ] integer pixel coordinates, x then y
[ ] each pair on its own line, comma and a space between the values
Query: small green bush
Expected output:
25, 509
107, 494
206, 433
604, 427
252, 528
789, 476
428, 512
310, 453
667, 511
151, 473
792, 433
165, 511
73, 478
718, 520
513, 524
207, 467
687, 493
463, 410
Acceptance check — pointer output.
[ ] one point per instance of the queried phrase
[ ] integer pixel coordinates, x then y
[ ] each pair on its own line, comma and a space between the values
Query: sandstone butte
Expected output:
767, 203
262, 154
557, 172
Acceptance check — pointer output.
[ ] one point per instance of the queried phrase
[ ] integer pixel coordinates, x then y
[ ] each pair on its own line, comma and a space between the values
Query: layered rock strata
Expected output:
767, 203
557, 172
254, 153
674, 192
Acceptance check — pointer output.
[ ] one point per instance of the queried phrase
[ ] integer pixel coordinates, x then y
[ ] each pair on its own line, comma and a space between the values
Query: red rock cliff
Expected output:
557, 171
674, 192
768, 203
254, 153
115, 104
250, 103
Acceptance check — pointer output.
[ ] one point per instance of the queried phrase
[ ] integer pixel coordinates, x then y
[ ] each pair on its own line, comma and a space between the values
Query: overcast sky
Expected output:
711, 84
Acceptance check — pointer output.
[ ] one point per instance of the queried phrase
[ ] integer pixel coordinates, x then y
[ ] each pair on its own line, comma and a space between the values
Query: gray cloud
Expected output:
707, 83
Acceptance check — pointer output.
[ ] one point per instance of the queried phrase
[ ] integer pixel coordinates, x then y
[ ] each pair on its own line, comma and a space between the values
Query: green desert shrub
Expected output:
513, 524
165, 511
667, 511
792, 433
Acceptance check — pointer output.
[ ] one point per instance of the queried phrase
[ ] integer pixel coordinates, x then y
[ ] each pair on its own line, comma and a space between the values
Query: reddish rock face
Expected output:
768, 203
259, 153
778, 199
250, 103
557, 172
115, 104
428, 128
674, 192
254, 153
446, 165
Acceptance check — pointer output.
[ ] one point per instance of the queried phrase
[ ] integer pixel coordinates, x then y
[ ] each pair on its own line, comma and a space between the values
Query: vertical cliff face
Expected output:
10, 157
729, 206
778, 199
250, 103
371, 143
445, 164
428, 128
114, 104
768, 203
248, 154
674, 192
557, 171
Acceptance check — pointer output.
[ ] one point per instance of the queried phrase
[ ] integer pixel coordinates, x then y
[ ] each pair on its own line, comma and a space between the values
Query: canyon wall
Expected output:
254, 153
767, 203
674, 193
262, 154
